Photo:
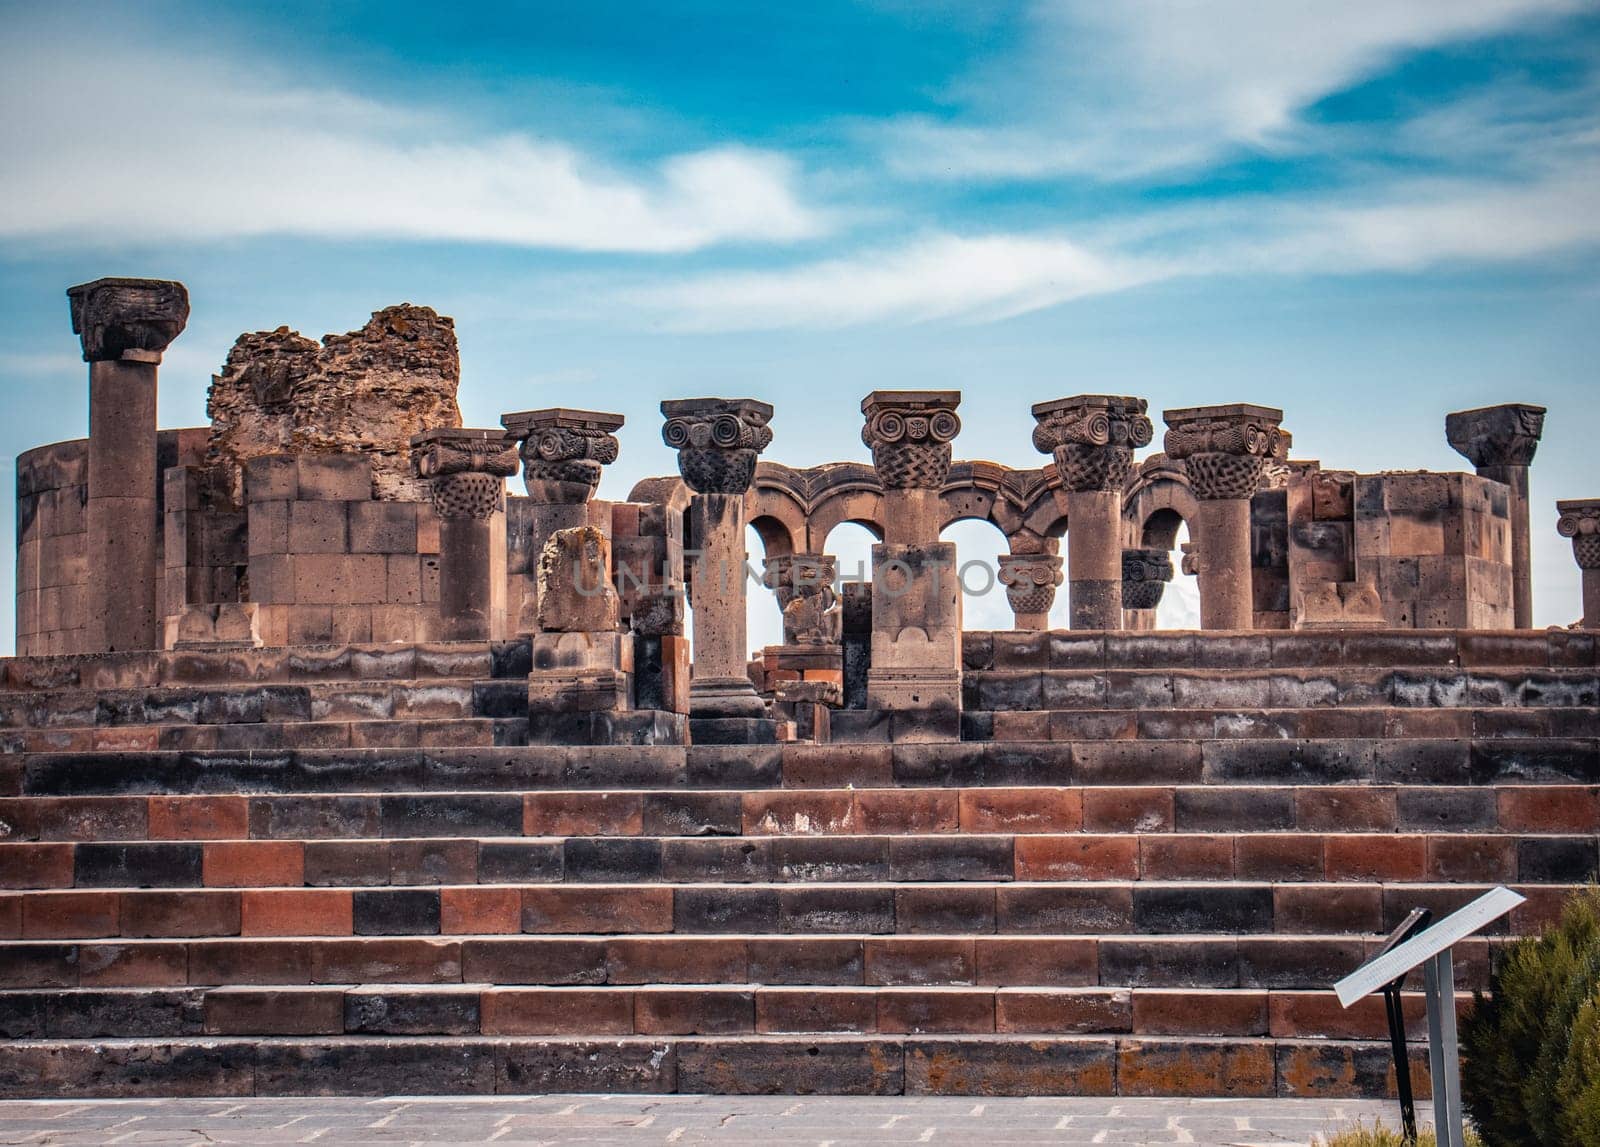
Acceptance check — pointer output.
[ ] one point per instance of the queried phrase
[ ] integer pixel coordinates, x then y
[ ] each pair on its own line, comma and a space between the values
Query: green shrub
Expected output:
1530, 1075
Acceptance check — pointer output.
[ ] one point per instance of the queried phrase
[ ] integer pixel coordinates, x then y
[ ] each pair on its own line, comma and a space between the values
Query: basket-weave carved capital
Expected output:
1224, 449
909, 433
466, 470
563, 451
717, 440
1030, 581
1145, 574
1580, 521
1092, 438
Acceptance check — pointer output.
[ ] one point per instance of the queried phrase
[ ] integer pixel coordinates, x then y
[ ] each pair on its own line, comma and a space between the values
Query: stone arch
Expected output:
1157, 484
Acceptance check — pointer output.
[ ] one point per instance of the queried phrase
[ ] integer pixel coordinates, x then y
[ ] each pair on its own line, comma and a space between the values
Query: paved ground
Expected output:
632, 1120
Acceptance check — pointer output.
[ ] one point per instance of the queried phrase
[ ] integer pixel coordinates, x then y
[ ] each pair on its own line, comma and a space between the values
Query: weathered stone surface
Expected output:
367, 392
575, 593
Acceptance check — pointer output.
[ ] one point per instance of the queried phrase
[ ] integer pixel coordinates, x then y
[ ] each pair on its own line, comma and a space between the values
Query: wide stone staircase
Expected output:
345, 870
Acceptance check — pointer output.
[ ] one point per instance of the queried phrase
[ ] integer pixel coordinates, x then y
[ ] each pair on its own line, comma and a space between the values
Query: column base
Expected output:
724, 697
733, 731
926, 706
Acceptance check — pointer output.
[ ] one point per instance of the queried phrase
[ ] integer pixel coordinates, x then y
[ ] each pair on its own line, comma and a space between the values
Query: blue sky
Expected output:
1367, 212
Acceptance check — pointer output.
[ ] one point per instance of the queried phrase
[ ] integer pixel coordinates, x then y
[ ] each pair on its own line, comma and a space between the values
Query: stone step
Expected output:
1227, 689
1302, 649
1532, 858
1307, 961
747, 1064
1315, 724
1445, 761
461, 732
1146, 809
977, 907
697, 1009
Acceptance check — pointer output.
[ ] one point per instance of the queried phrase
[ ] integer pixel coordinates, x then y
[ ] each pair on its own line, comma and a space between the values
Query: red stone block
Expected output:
296, 912
1194, 1012
250, 962
573, 909
1278, 856
1021, 810
906, 810
146, 964
920, 962
1074, 1011
1470, 857
1193, 1067
1141, 809
127, 739
1376, 857
968, 1011
186, 913
1172, 857
1319, 1015
407, 960
247, 863
1067, 962
693, 1011
70, 915
676, 960
480, 911
1549, 808
781, 813
557, 1011
35, 865
199, 818
837, 766
583, 814
90, 818
816, 1010
1077, 858
1345, 808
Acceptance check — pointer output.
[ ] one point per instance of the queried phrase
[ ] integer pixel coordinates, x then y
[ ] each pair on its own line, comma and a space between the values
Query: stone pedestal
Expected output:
1031, 581
718, 440
916, 592
563, 453
1500, 441
124, 325
1580, 521
1092, 438
1224, 449
466, 470
1145, 574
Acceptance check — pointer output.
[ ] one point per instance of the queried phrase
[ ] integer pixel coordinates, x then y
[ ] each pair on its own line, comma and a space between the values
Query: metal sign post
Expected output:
1414, 922
1431, 949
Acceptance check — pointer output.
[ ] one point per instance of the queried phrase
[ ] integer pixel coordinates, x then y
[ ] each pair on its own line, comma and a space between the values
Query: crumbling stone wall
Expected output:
367, 391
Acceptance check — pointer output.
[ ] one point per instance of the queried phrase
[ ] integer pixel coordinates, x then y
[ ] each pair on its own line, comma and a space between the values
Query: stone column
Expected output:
1500, 442
916, 593
718, 440
124, 326
1580, 521
563, 453
1030, 581
467, 470
1092, 438
1145, 574
1224, 450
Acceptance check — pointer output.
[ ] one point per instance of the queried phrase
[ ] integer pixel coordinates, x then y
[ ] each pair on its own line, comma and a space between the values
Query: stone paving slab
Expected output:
634, 1120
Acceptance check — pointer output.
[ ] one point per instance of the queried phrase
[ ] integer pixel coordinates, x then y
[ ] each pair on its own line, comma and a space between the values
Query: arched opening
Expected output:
1165, 529
763, 621
851, 544
979, 544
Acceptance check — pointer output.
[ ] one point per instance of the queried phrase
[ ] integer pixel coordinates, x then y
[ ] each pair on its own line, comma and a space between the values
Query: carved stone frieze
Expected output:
466, 469
909, 433
563, 451
804, 587
1092, 438
1145, 574
129, 319
1224, 449
717, 440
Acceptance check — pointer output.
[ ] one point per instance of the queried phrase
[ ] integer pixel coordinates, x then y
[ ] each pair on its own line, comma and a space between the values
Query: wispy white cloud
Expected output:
1121, 90
136, 143
987, 277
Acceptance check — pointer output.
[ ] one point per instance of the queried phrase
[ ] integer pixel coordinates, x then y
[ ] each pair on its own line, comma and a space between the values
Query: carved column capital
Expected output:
466, 468
133, 320
717, 440
1490, 436
1092, 438
1580, 521
1145, 574
1224, 449
1030, 581
909, 432
563, 451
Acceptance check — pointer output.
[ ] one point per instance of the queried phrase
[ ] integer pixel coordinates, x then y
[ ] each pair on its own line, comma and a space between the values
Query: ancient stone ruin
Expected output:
332, 765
